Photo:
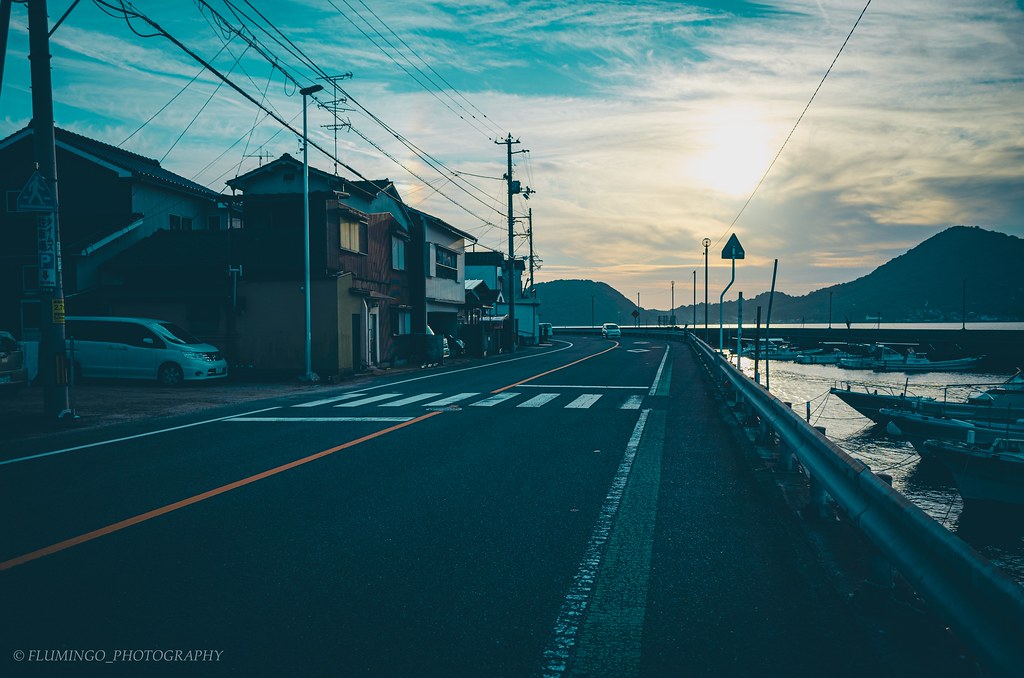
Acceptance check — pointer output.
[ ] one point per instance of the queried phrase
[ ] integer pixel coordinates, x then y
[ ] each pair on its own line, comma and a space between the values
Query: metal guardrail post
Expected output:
979, 601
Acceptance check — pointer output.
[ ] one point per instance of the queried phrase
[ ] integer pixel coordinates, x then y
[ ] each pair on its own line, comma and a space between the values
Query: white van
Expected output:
140, 348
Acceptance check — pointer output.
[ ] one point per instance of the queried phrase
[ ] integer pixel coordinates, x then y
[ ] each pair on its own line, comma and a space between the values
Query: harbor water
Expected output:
999, 536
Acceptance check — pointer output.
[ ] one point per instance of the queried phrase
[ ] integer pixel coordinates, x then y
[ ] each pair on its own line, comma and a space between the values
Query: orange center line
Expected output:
542, 374
143, 517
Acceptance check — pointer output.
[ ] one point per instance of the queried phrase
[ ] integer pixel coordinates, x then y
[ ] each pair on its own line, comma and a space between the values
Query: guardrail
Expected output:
980, 602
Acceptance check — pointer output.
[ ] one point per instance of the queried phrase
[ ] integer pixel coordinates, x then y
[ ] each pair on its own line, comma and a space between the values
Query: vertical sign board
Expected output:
47, 248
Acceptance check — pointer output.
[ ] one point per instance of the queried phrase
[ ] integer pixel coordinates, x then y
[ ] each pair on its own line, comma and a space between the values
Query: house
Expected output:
110, 199
381, 272
492, 268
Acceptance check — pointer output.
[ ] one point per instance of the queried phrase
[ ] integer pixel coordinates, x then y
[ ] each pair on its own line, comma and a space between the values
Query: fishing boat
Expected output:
917, 428
877, 354
839, 351
984, 475
919, 362
770, 349
1002, 404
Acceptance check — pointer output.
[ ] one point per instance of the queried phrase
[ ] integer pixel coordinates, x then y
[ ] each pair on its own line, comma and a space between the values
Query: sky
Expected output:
643, 127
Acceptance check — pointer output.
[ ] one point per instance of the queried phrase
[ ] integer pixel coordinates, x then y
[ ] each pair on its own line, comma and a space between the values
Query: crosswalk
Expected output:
434, 400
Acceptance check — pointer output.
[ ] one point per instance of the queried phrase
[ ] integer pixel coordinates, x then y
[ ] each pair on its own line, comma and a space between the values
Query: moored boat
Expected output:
919, 362
917, 428
999, 405
992, 474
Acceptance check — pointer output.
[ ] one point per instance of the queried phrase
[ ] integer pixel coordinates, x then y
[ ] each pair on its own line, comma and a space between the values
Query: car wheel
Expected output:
170, 375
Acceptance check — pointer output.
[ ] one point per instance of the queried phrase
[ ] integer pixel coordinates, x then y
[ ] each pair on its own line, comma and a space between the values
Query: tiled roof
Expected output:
139, 166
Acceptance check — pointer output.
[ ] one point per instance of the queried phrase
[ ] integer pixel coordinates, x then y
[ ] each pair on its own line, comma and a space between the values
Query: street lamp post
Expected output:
707, 243
309, 376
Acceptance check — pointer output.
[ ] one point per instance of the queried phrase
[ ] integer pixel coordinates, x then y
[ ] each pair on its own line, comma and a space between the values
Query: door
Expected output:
371, 336
137, 352
94, 351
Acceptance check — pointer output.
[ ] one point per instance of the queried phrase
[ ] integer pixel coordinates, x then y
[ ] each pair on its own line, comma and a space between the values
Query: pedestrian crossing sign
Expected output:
36, 196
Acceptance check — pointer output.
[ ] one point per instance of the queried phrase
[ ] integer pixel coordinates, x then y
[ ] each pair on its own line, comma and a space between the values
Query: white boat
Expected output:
984, 475
771, 349
832, 357
919, 362
879, 354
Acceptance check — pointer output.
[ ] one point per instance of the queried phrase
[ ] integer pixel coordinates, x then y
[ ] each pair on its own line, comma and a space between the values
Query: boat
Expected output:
877, 354
984, 475
917, 428
840, 351
770, 349
999, 405
919, 362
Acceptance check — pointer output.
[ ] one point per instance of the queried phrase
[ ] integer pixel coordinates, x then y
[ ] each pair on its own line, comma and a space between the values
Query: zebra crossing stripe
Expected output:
539, 400
326, 401
411, 399
371, 399
451, 399
584, 401
494, 399
632, 403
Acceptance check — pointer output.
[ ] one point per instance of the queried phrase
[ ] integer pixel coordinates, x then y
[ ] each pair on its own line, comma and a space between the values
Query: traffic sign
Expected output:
36, 196
733, 249
636, 314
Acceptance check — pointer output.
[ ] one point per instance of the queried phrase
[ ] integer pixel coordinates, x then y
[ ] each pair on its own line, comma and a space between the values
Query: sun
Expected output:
732, 154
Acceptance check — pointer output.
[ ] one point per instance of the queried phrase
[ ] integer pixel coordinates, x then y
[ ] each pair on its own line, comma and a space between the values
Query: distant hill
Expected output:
924, 285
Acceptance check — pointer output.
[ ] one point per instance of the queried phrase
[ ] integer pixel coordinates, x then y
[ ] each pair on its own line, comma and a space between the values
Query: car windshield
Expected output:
177, 334
612, 326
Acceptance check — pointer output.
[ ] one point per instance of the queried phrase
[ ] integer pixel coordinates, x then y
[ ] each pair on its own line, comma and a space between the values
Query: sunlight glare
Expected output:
733, 153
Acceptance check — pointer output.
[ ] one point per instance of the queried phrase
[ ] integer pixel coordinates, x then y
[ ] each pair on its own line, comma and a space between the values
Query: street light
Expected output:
309, 376
706, 242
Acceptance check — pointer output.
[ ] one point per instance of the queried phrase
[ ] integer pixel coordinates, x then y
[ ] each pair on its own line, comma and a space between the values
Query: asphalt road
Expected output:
578, 510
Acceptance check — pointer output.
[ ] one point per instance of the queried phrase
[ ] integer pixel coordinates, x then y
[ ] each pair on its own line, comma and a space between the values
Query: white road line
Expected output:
135, 437
410, 400
495, 399
657, 377
577, 386
451, 399
633, 403
326, 401
539, 400
323, 419
570, 616
584, 401
371, 399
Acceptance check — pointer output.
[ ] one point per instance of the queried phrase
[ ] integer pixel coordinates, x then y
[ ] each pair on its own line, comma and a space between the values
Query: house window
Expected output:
180, 223
353, 236
213, 222
447, 263
402, 322
397, 254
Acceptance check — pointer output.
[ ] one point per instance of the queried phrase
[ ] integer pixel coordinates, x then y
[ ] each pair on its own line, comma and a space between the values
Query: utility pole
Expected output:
672, 311
529, 217
514, 187
334, 107
52, 358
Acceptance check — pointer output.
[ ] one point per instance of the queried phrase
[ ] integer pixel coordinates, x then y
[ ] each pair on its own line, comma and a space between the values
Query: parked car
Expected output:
13, 372
140, 348
610, 330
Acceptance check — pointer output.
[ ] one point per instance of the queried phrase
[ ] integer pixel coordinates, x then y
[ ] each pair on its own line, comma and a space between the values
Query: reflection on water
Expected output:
998, 535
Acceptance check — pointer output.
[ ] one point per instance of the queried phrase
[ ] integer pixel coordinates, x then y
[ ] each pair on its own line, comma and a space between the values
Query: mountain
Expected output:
925, 284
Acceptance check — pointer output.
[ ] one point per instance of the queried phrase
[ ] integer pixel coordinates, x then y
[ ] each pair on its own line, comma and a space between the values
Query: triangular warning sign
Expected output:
733, 249
36, 196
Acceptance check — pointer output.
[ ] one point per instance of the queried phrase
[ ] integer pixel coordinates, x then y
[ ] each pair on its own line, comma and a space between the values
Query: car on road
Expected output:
610, 331
13, 372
